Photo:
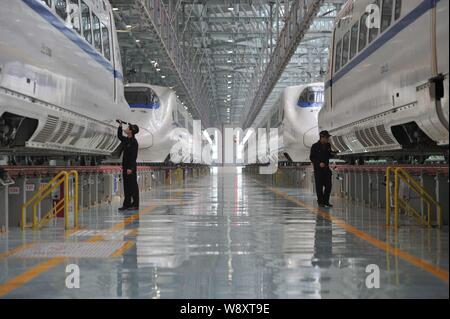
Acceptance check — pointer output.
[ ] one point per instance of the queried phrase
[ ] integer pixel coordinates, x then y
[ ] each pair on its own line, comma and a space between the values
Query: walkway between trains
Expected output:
225, 235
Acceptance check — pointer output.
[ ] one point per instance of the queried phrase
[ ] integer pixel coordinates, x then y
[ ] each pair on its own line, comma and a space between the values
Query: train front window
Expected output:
105, 39
386, 14
97, 32
74, 9
86, 22
141, 98
312, 97
61, 9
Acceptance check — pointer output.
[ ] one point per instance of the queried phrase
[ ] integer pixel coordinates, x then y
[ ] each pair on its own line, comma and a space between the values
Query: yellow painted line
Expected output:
416, 261
15, 250
127, 245
35, 271
134, 232
28, 275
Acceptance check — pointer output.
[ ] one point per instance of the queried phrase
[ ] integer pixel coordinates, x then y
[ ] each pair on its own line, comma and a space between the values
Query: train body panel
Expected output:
52, 77
379, 92
163, 122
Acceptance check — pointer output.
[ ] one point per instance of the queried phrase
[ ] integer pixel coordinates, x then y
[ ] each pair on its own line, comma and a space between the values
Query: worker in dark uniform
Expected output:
130, 151
320, 157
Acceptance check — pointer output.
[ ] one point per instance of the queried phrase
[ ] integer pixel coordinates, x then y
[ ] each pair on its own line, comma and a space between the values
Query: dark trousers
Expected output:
323, 184
130, 189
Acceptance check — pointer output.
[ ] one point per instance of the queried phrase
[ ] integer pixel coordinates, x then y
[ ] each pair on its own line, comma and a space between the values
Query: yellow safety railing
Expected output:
400, 174
62, 177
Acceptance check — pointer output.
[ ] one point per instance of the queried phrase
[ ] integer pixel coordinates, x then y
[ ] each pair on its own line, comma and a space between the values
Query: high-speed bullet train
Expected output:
387, 87
295, 116
163, 123
61, 83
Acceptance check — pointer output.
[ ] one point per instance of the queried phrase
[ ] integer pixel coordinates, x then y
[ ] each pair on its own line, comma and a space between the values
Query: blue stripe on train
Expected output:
411, 17
304, 104
151, 106
47, 15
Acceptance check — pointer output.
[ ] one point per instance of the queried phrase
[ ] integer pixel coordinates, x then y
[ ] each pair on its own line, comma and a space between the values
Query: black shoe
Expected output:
321, 205
328, 205
133, 208
123, 208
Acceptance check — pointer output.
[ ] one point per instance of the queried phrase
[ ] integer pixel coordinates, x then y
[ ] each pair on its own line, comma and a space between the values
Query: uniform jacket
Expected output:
321, 153
130, 151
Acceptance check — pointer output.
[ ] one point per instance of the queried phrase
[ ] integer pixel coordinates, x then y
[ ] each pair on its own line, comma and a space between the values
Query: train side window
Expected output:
61, 9
386, 14
373, 32
47, 2
345, 45
398, 9
338, 56
105, 39
74, 9
86, 22
354, 40
362, 32
97, 33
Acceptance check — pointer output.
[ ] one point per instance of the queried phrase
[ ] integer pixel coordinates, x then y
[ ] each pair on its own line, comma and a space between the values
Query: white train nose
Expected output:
145, 139
311, 136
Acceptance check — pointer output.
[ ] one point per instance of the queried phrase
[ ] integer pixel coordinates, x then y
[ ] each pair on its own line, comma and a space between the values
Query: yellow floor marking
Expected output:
119, 252
416, 261
67, 234
15, 250
28, 275
134, 232
35, 271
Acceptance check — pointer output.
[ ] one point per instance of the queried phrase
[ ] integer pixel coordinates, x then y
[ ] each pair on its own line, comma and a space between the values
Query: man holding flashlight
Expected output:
129, 147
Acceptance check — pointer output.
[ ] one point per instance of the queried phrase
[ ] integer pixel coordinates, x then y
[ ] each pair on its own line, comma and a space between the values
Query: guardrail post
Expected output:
388, 196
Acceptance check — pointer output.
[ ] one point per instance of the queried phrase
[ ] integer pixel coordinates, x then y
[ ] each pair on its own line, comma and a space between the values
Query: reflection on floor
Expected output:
226, 236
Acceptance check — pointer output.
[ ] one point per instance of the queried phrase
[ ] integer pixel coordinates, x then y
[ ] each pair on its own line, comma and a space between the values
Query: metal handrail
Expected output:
45, 194
400, 174
41, 194
75, 197
51, 213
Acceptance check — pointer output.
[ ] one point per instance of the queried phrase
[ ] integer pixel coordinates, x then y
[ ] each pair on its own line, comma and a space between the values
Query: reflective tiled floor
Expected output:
225, 235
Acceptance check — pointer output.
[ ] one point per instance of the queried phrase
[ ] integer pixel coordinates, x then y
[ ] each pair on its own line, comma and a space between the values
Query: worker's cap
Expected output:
134, 128
324, 134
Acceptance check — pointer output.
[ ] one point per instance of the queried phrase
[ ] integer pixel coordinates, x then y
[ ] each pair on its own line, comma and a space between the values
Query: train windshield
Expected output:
141, 97
312, 97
